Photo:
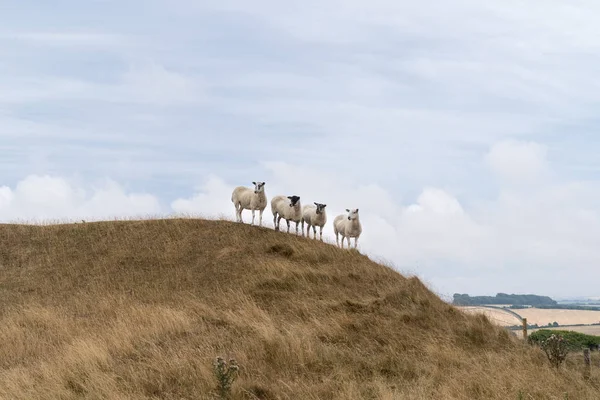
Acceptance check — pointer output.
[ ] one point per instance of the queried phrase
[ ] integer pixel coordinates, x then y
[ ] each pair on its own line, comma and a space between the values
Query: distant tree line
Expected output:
503, 298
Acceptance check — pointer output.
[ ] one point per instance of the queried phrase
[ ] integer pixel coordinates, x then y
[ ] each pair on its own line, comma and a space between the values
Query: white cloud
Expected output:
517, 161
45, 197
436, 201
212, 200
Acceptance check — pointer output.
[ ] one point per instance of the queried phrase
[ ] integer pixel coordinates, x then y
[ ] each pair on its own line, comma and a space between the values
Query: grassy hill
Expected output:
140, 309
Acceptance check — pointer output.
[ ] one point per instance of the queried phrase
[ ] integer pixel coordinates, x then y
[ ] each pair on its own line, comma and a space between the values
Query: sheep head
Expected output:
294, 200
320, 207
352, 214
258, 187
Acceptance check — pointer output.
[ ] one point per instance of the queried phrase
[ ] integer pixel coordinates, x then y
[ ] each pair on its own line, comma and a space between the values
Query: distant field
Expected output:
563, 317
588, 330
542, 317
500, 317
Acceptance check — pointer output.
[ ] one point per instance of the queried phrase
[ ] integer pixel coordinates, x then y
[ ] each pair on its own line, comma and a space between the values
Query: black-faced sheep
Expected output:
288, 208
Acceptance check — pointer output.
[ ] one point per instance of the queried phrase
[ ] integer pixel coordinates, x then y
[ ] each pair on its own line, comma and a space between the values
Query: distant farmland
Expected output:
541, 317
496, 315
563, 317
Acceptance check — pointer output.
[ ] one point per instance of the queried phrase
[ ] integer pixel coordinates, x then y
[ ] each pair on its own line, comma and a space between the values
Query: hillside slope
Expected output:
140, 309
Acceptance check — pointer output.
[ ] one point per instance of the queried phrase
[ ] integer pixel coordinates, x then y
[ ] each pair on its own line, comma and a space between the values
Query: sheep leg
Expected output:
278, 221
252, 217
260, 212
241, 219
320, 234
275, 222
355, 242
297, 223
302, 227
237, 212
288, 225
337, 241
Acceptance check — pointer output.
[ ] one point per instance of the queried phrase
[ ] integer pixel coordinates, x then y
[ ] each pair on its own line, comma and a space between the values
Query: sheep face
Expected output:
320, 207
352, 214
259, 187
293, 200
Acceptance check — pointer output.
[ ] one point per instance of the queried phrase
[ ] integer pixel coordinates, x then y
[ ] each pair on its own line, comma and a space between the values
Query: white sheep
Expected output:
244, 198
314, 216
288, 208
348, 226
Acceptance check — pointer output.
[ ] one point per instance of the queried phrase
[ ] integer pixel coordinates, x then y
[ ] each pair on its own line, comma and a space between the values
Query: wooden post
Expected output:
525, 329
587, 360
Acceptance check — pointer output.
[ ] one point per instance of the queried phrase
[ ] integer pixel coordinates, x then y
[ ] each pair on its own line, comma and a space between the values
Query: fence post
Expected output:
587, 359
525, 329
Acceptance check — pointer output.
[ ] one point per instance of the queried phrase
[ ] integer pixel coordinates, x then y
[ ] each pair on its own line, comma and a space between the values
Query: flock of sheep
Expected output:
289, 208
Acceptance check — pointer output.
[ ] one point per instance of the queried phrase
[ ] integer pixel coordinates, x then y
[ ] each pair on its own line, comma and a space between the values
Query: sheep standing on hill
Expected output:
244, 198
348, 226
288, 208
314, 216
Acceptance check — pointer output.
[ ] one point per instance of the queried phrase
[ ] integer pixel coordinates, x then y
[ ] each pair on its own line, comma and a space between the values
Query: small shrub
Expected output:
576, 341
226, 375
556, 349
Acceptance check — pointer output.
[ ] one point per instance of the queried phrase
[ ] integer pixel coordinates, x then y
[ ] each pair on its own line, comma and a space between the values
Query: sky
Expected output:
466, 133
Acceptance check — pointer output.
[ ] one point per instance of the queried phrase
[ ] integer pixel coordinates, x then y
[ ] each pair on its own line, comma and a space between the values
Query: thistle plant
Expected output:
226, 375
556, 349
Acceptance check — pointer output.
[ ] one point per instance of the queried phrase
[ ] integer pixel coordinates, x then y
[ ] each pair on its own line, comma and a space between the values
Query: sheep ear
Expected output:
357, 210
290, 197
347, 210
316, 204
324, 205
254, 183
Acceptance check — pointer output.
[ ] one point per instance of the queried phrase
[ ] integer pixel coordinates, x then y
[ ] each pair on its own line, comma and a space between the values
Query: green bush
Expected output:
575, 341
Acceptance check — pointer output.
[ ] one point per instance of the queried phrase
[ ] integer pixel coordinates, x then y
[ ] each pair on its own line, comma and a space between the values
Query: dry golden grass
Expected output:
139, 310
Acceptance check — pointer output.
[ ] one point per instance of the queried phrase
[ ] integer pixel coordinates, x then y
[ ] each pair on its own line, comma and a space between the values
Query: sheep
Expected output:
314, 216
288, 208
348, 226
244, 198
